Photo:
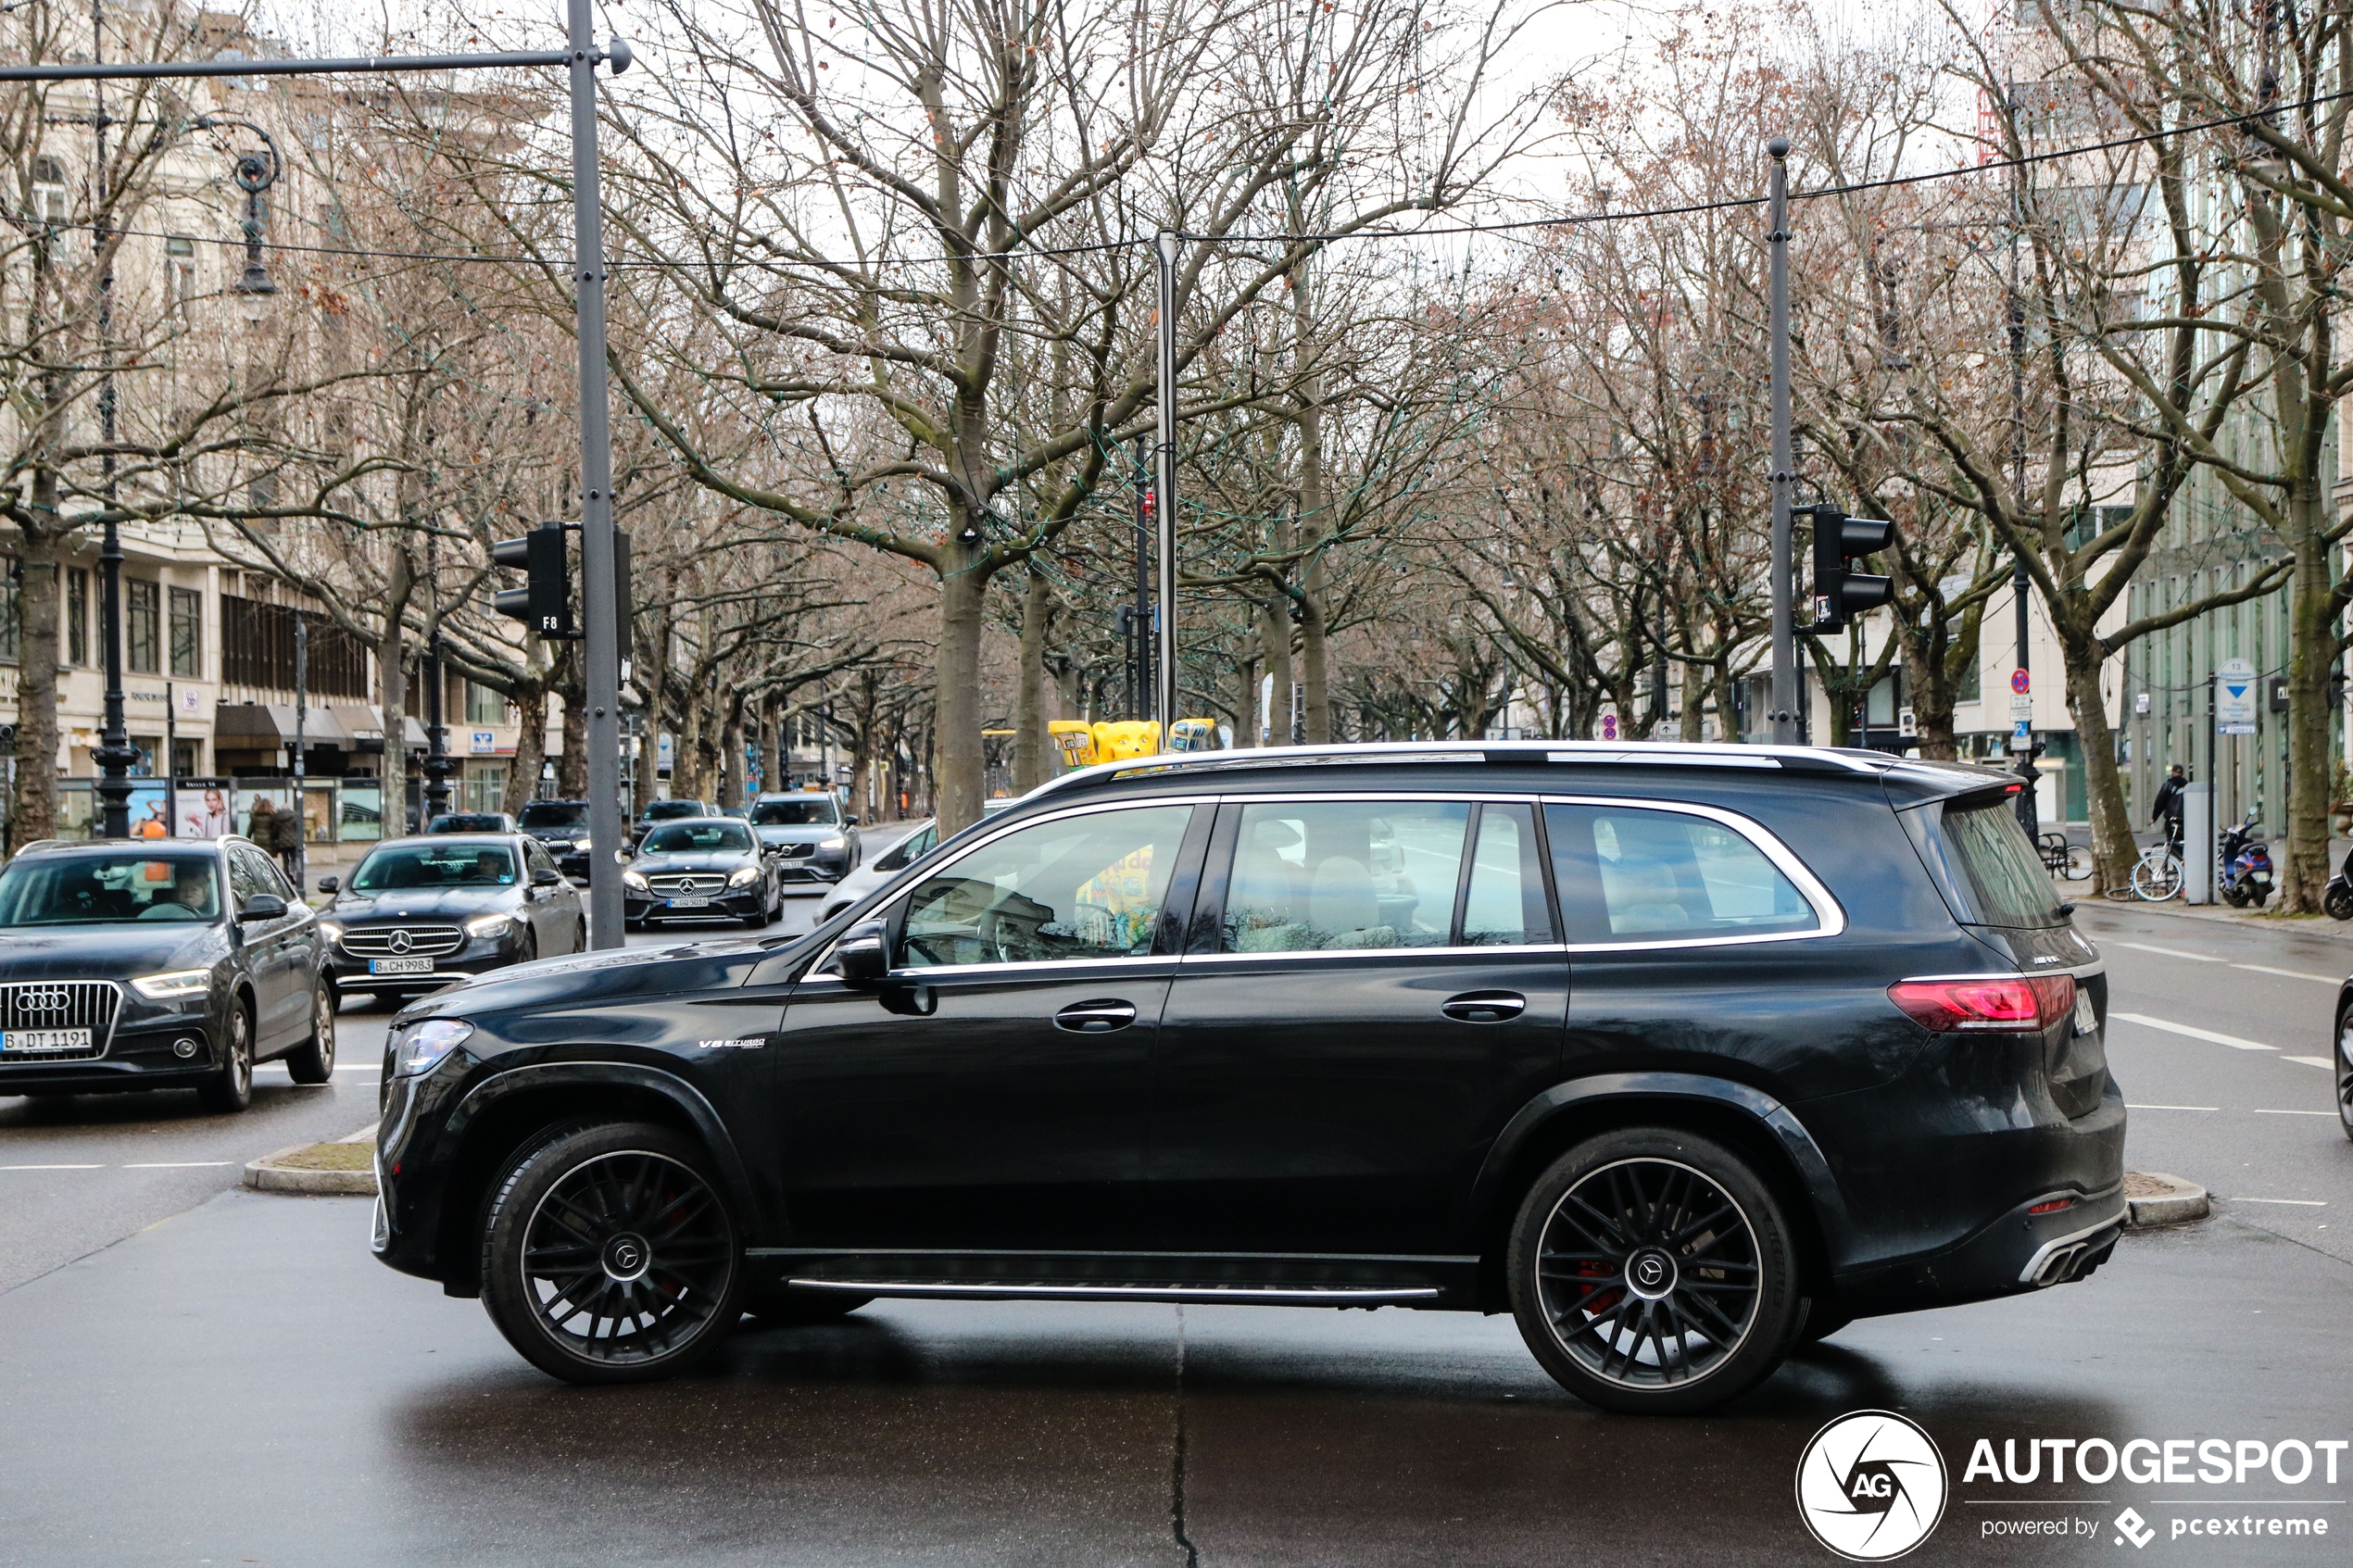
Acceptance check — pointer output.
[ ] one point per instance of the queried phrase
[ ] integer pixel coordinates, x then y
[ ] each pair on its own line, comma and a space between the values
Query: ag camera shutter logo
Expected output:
1871, 1486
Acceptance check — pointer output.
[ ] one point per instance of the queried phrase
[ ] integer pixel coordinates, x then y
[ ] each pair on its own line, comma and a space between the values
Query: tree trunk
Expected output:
1030, 750
1246, 703
530, 744
32, 811
956, 699
393, 676
731, 757
2312, 655
2113, 851
1274, 651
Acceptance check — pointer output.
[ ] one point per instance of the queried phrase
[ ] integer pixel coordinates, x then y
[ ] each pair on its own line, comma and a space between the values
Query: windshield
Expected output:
556, 815
438, 865
469, 822
108, 889
793, 813
687, 838
671, 810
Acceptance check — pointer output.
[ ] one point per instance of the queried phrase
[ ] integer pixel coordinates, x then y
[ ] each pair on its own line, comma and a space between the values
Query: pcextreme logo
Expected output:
1871, 1486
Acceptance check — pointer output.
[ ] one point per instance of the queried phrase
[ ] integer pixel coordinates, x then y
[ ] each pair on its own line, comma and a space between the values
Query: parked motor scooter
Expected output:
2247, 866
2337, 896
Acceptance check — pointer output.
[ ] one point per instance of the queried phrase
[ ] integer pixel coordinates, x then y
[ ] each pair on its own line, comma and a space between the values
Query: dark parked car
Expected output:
1681, 1054
561, 828
700, 868
471, 822
421, 913
814, 843
671, 811
179, 964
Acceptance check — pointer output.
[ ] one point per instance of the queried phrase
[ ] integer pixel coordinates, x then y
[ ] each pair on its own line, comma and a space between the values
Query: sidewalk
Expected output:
2266, 919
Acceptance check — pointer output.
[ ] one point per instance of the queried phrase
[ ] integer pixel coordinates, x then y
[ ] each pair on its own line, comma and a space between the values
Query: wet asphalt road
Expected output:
242, 1384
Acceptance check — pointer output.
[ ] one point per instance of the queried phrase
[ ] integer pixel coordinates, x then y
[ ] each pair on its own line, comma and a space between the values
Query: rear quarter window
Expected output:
1982, 857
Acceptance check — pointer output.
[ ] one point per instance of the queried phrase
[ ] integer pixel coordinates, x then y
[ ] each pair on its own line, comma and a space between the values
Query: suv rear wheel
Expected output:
1653, 1272
611, 1256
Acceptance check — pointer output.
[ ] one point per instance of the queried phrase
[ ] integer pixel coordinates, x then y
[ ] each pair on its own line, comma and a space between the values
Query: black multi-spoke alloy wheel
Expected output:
230, 1085
1653, 1272
2345, 1071
314, 1061
611, 1256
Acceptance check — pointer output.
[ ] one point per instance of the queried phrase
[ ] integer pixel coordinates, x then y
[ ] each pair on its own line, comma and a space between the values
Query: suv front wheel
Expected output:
610, 1254
1653, 1272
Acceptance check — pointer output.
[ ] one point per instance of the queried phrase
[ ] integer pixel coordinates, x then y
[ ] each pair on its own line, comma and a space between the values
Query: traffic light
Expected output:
1842, 594
546, 605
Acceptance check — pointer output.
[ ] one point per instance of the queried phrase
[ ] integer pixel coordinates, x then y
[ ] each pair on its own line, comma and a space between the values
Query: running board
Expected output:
1260, 1294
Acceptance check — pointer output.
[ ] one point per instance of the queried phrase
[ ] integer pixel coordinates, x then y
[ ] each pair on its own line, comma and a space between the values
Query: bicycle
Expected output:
2157, 875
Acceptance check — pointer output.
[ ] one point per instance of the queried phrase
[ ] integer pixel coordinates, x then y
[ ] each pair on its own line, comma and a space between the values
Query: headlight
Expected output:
631, 879
177, 982
836, 842
420, 1047
487, 926
744, 877
583, 846
332, 930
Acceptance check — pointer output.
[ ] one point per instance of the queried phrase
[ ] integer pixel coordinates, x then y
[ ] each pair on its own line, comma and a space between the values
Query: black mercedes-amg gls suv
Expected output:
1681, 1054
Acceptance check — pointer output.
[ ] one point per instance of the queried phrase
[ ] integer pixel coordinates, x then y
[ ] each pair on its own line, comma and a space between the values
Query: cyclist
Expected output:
2168, 809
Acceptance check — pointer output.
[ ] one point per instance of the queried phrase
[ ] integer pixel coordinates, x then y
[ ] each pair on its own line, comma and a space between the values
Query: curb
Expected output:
2153, 1198
266, 1175
2321, 927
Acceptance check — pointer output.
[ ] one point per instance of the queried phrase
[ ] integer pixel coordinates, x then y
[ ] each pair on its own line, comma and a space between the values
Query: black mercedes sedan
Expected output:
421, 913
701, 867
1683, 1054
177, 963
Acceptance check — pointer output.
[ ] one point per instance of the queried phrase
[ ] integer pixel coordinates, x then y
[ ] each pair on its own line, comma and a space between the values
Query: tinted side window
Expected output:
1325, 876
1089, 886
1504, 906
1630, 874
2004, 871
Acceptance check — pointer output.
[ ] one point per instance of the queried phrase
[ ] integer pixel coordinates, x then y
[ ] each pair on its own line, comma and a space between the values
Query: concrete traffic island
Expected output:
345, 1168
2151, 1198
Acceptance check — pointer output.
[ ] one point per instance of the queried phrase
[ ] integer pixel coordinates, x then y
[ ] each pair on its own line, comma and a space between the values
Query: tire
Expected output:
610, 1254
783, 1307
2345, 1072
580, 936
2234, 896
528, 948
2338, 901
314, 1061
231, 1089
1668, 1208
2079, 862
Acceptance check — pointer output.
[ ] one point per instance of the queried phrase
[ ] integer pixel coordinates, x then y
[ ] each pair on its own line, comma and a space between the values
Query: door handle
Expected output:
1485, 1006
1096, 1017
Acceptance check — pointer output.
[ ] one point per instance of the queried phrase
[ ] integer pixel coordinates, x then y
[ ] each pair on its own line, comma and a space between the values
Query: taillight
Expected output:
2017, 1003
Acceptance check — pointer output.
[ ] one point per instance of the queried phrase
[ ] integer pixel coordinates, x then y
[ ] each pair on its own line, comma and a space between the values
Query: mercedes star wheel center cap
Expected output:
627, 1257
1649, 1274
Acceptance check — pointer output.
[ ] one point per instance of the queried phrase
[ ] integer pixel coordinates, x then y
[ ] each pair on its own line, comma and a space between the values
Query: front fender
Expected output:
536, 1076
1772, 1118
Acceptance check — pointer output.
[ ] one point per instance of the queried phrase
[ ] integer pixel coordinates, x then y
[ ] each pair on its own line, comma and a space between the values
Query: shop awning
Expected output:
269, 726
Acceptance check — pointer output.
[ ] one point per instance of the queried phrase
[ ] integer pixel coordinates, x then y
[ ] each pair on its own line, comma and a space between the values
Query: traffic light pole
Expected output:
1164, 494
1783, 698
599, 596
600, 589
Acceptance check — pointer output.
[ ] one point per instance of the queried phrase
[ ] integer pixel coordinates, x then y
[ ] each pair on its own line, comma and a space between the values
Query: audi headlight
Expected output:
631, 879
744, 877
173, 984
484, 927
420, 1047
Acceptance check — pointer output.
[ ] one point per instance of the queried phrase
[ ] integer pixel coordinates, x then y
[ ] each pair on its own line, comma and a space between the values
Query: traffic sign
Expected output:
2235, 697
2020, 682
2022, 705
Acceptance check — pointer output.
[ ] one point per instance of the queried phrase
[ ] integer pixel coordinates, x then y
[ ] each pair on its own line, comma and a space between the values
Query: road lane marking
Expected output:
2145, 1022
2311, 1061
2292, 973
2172, 952
2296, 1114
2291, 1202
177, 1164
2132, 1107
52, 1167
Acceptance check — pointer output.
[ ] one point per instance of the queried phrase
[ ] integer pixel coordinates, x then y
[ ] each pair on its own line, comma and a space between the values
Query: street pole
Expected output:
1784, 654
600, 593
2029, 810
113, 753
302, 717
1165, 493
1139, 632
170, 760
